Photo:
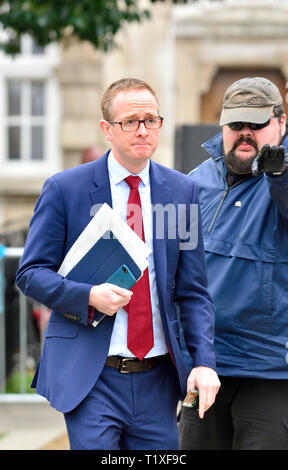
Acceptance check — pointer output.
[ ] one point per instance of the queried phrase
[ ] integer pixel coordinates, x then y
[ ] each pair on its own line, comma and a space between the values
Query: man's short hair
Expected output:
124, 84
279, 110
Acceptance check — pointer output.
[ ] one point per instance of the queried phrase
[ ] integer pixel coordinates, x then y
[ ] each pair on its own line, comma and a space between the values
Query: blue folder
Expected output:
101, 263
102, 260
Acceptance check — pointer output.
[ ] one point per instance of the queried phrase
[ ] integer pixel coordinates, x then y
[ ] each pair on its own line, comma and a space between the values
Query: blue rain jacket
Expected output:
245, 231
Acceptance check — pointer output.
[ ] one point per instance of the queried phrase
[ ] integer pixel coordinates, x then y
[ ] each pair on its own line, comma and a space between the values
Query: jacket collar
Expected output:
214, 146
160, 192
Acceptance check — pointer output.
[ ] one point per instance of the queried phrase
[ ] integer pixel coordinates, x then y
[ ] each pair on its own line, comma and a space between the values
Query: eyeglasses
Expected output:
132, 125
238, 126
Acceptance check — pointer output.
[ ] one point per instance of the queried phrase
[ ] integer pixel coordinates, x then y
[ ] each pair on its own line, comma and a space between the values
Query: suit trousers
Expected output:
128, 411
248, 414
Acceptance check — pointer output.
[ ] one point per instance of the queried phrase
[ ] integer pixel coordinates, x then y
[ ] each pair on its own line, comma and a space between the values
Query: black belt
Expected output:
132, 364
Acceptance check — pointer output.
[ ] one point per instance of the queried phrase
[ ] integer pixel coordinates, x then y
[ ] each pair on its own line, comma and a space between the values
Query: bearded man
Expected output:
243, 191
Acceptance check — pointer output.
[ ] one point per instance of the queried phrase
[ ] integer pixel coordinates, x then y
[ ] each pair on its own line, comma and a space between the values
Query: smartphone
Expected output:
192, 399
123, 277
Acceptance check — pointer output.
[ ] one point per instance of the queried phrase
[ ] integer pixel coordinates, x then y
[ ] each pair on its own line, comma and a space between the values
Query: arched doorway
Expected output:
211, 102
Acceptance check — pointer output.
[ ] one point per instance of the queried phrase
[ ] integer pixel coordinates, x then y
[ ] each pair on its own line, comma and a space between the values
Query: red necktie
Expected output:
140, 328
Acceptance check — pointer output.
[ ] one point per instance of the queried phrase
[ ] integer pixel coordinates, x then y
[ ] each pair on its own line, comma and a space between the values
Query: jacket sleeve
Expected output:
278, 186
44, 250
197, 314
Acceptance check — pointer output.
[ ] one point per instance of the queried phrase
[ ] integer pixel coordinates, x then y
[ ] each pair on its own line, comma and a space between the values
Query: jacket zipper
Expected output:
223, 197
218, 209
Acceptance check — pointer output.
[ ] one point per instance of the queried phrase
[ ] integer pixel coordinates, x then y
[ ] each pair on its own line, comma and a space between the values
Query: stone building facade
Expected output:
188, 53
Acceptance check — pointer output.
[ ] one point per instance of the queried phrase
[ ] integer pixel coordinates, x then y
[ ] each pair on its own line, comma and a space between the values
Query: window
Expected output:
29, 98
25, 128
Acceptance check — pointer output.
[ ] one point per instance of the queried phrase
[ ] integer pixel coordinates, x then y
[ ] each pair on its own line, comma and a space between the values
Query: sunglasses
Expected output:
238, 126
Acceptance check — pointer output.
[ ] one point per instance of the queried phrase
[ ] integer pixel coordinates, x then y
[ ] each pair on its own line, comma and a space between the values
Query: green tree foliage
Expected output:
96, 21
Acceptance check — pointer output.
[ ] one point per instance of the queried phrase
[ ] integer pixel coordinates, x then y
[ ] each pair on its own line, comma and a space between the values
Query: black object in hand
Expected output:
270, 160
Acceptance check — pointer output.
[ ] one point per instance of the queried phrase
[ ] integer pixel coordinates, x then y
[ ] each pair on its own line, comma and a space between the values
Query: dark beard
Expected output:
236, 164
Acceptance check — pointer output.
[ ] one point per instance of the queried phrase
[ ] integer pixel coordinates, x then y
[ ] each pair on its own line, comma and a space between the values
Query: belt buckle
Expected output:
122, 365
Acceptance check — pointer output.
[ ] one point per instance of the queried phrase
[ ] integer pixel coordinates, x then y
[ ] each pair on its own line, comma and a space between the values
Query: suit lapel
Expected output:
102, 191
161, 195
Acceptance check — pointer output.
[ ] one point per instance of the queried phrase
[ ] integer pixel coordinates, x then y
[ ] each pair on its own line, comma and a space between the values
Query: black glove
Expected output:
271, 160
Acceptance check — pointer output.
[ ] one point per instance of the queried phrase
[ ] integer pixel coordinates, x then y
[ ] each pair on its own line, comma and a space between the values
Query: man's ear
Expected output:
283, 124
106, 129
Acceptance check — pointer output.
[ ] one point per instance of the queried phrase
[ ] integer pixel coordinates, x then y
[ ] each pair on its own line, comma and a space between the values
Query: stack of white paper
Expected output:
106, 219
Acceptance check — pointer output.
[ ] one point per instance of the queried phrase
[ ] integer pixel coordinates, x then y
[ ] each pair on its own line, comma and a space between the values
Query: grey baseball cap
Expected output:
250, 99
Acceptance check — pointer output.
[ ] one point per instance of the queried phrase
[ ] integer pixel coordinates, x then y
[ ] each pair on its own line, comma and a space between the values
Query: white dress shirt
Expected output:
120, 193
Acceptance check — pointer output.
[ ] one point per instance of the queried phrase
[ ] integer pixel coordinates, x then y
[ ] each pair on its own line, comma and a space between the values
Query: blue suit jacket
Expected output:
74, 352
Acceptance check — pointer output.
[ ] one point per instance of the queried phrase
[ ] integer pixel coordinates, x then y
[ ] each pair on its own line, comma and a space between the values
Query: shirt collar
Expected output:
118, 173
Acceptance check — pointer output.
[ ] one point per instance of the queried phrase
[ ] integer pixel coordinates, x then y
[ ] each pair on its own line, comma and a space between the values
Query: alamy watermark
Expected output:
172, 222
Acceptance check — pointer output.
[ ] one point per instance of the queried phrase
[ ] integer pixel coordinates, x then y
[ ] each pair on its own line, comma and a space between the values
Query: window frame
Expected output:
27, 67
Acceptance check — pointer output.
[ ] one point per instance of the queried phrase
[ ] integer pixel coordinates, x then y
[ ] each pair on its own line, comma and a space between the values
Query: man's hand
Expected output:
271, 160
109, 298
208, 384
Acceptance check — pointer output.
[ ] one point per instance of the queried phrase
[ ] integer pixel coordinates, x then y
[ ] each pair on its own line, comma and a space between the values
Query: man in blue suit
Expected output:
81, 371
